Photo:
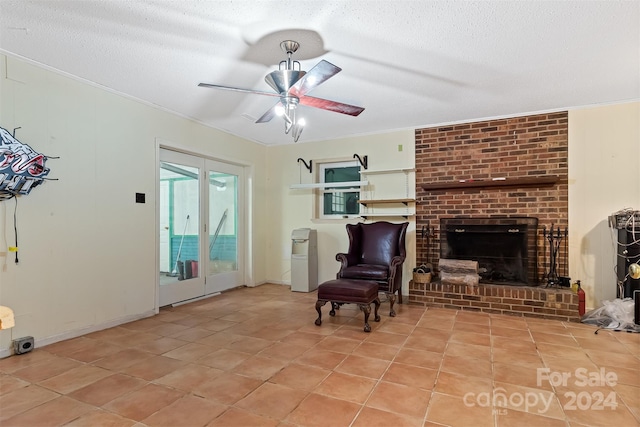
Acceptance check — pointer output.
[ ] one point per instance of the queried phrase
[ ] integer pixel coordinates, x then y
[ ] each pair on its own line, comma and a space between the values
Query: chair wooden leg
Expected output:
400, 295
334, 306
392, 300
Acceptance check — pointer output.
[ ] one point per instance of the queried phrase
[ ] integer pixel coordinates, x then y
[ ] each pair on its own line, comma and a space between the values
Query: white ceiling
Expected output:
408, 63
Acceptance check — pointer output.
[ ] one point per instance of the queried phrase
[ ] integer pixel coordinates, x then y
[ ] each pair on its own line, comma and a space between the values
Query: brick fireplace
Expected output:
504, 247
502, 168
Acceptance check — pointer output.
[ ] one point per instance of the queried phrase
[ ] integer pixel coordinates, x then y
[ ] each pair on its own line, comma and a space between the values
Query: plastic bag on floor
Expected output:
616, 314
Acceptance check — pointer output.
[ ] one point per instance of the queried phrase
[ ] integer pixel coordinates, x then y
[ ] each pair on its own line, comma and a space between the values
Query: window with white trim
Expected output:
339, 201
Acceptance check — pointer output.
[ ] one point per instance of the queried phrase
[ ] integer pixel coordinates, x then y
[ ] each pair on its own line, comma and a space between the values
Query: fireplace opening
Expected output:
505, 248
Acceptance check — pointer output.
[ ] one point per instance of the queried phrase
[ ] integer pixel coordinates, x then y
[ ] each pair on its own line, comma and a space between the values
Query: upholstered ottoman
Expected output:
346, 291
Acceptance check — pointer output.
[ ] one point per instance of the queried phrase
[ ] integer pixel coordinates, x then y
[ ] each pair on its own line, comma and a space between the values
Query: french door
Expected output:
201, 226
225, 227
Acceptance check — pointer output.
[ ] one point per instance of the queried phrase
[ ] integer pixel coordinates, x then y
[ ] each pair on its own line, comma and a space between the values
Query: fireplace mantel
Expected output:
533, 181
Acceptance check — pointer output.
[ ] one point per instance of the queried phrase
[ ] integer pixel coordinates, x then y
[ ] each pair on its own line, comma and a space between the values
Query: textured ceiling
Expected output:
409, 63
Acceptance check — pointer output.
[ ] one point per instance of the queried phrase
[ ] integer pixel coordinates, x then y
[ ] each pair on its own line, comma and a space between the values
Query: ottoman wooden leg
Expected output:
319, 304
376, 303
366, 308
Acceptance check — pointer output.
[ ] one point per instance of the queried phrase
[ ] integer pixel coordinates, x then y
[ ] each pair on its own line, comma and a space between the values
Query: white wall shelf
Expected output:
387, 214
329, 184
385, 201
388, 205
383, 171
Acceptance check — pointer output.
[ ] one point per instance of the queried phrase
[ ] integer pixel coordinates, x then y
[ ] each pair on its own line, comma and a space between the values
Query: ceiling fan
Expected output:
291, 85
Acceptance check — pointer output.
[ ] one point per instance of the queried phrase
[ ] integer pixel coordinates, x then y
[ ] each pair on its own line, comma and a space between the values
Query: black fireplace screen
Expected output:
505, 248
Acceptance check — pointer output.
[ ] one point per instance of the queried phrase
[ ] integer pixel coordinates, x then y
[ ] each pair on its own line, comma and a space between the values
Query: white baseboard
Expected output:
189, 301
41, 342
276, 282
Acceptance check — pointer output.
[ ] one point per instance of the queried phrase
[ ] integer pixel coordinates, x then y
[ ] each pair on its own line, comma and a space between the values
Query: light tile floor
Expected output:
253, 357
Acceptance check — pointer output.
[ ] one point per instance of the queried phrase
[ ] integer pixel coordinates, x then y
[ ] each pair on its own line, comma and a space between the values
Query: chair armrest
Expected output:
343, 259
396, 262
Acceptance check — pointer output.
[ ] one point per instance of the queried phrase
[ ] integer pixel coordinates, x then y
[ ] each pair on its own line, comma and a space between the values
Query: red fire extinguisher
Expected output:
581, 300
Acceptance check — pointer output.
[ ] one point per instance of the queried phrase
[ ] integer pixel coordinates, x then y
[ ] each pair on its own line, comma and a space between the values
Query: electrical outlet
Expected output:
23, 345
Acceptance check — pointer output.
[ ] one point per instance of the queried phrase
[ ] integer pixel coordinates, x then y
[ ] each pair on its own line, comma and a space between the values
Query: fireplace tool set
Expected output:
556, 239
427, 233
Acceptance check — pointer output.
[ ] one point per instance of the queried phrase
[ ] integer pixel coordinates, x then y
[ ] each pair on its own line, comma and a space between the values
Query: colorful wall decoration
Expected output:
21, 167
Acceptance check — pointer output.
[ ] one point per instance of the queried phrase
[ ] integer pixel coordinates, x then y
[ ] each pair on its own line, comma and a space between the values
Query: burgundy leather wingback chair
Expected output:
376, 253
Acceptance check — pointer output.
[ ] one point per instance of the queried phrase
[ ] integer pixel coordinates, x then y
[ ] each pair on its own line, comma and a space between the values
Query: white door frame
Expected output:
244, 216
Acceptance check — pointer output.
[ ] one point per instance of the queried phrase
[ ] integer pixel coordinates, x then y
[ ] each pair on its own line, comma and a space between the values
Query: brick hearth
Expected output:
547, 303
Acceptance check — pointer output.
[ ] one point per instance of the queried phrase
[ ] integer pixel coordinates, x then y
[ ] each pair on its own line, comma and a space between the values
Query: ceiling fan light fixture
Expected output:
291, 85
291, 124
289, 117
297, 130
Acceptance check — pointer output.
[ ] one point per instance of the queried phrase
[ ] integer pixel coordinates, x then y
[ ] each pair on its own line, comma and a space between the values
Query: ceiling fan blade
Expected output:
237, 89
325, 104
321, 72
268, 115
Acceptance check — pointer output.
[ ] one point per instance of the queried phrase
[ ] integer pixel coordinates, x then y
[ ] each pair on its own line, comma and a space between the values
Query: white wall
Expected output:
87, 251
604, 177
290, 209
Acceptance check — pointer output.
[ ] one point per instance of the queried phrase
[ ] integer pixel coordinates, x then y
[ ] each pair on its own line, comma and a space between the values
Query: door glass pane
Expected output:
223, 229
179, 219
